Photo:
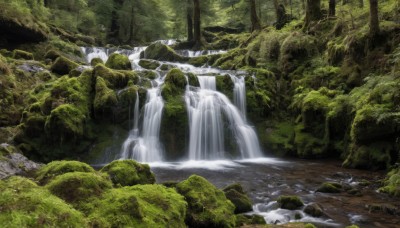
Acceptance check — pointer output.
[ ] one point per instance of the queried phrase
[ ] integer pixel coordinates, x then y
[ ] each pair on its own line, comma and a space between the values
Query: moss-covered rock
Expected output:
392, 183
149, 64
330, 187
243, 220
198, 61
24, 204
52, 54
290, 202
118, 62
314, 210
139, 206
63, 66
96, 61
4, 67
225, 85
105, 100
162, 52
56, 168
115, 78
129, 173
76, 187
208, 206
376, 155
238, 197
19, 54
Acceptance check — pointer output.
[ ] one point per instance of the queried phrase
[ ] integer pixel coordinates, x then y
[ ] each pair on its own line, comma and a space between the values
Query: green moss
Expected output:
281, 136
233, 59
4, 68
115, 78
314, 210
52, 54
19, 54
63, 66
24, 204
374, 155
96, 61
177, 78
161, 52
198, 61
77, 187
118, 62
239, 198
56, 168
208, 206
243, 219
149, 64
139, 206
308, 145
105, 99
225, 85
290, 202
129, 173
392, 183
330, 187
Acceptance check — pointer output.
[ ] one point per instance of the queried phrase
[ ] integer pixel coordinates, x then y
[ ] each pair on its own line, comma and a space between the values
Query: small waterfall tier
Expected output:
207, 109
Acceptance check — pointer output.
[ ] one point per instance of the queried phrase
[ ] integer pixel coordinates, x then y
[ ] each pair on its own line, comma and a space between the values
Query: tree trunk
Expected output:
332, 8
361, 3
189, 17
280, 15
255, 21
373, 18
197, 24
313, 12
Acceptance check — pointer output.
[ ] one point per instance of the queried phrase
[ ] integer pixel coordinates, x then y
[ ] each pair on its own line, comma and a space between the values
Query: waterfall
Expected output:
206, 108
239, 94
146, 147
133, 134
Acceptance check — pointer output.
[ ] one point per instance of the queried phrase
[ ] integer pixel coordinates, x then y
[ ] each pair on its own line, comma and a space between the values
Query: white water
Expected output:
189, 53
207, 109
239, 94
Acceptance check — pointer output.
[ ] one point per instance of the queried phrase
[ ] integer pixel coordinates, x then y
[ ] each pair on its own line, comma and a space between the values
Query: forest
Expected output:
200, 113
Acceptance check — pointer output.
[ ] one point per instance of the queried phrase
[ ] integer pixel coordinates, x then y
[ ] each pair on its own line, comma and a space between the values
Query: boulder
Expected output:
56, 168
63, 66
290, 202
162, 52
119, 62
149, 64
238, 197
330, 187
19, 54
314, 210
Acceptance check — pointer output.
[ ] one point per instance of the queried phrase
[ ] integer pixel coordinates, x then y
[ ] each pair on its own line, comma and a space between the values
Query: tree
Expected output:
332, 8
189, 18
281, 17
255, 20
197, 24
373, 18
313, 12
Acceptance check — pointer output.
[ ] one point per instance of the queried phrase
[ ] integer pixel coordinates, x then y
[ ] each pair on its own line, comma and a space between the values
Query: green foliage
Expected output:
290, 202
392, 183
139, 206
56, 168
208, 206
24, 204
129, 173
118, 62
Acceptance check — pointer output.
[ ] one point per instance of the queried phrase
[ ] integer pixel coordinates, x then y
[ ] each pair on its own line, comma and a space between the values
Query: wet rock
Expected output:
243, 219
149, 64
63, 66
31, 67
118, 62
239, 198
96, 61
314, 210
383, 208
161, 52
13, 163
290, 202
330, 187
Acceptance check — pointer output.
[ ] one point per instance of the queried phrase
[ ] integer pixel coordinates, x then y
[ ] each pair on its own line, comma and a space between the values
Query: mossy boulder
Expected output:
63, 66
225, 85
118, 62
238, 197
56, 168
52, 54
243, 220
162, 52
199, 61
96, 61
375, 155
19, 54
392, 183
139, 206
115, 79
290, 202
330, 187
129, 173
4, 67
75, 187
149, 64
314, 210
105, 100
207, 206
24, 204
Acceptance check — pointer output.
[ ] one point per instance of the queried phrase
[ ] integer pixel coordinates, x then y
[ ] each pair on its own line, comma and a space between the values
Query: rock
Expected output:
19, 54
238, 197
115, 79
105, 100
385, 208
330, 187
161, 52
56, 168
198, 61
75, 187
139, 206
32, 67
17, 32
392, 183
118, 62
96, 61
63, 66
243, 219
314, 210
129, 173
25, 204
13, 163
290, 202
149, 64
52, 54
207, 206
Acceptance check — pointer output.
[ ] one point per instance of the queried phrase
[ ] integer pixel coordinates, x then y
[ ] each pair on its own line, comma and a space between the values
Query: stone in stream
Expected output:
330, 187
162, 52
314, 210
118, 62
290, 202
238, 197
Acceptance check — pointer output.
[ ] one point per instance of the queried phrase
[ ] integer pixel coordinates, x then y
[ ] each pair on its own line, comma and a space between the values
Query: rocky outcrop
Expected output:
13, 163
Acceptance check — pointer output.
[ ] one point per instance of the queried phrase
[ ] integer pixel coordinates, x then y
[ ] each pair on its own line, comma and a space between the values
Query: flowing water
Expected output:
213, 118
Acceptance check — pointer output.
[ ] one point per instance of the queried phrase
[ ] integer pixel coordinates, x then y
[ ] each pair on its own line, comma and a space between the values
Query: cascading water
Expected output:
239, 94
206, 108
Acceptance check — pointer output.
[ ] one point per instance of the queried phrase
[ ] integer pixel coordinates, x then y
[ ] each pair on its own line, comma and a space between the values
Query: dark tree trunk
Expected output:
189, 18
280, 11
255, 21
114, 28
132, 26
332, 8
197, 24
313, 12
373, 18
